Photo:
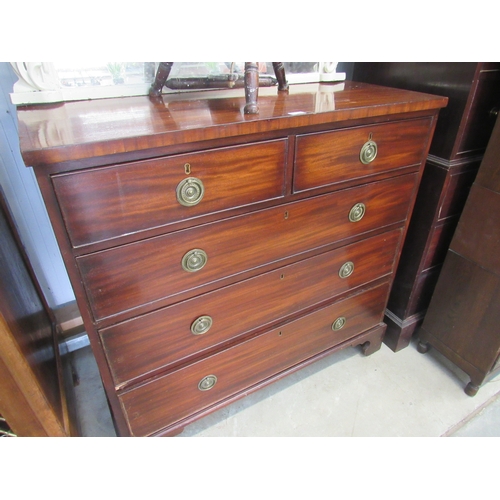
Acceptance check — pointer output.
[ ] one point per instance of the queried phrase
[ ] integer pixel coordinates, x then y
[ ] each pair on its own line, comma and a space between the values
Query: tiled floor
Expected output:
386, 394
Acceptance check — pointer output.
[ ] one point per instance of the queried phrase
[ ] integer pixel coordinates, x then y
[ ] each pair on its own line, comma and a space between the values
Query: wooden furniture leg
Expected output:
160, 79
279, 71
374, 342
251, 88
471, 389
422, 347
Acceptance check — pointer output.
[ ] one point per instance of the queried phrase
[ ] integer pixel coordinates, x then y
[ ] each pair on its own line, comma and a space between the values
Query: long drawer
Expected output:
129, 276
168, 399
329, 158
103, 203
155, 340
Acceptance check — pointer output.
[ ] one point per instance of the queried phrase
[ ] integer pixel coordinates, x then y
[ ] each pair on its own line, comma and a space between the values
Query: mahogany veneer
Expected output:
287, 255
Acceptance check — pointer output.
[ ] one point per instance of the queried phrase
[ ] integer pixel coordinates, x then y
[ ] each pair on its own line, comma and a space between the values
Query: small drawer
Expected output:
158, 339
329, 158
126, 277
168, 399
103, 203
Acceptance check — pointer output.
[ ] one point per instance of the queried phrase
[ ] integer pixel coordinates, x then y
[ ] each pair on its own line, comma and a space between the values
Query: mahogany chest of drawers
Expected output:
212, 252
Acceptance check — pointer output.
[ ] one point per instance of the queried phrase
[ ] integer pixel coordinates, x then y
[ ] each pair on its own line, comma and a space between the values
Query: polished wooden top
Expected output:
78, 130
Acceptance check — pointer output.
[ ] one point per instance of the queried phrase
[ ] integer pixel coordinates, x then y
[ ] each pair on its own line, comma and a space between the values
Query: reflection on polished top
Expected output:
83, 129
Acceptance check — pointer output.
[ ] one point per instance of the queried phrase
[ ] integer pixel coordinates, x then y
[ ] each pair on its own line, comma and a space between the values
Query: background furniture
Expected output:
212, 252
464, 313
461, 136
33, 396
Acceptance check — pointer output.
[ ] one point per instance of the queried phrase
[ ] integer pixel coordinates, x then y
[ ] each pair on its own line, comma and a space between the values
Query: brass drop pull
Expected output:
190, 191
357, 212
194, 260
346, 270
206, 383
368, 152
339, 323
201, 325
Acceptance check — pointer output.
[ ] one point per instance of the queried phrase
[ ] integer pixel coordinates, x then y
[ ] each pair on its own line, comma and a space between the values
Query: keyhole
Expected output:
286, 214
187, 168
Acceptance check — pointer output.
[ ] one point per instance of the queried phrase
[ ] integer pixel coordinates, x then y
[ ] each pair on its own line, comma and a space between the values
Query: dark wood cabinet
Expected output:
461, 136
464, 313
212, 252
33, 395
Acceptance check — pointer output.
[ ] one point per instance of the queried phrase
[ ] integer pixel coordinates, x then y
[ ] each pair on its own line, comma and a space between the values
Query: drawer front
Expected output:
126, 277
155, 340
328, 158
173, 397
104, 203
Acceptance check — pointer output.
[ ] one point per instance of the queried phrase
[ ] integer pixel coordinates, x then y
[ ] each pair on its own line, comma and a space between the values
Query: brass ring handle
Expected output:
339, 323
194, 260
346, 270
206, 383
368, 152
357, 212
190, 191
201, 325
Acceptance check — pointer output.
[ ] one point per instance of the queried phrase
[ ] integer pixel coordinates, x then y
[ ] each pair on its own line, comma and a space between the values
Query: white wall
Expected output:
26, 205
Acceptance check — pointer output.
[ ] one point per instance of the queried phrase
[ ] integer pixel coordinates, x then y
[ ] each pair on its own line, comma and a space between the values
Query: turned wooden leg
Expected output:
422, 347
471, 389
251, 88
279, 71
160, 79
